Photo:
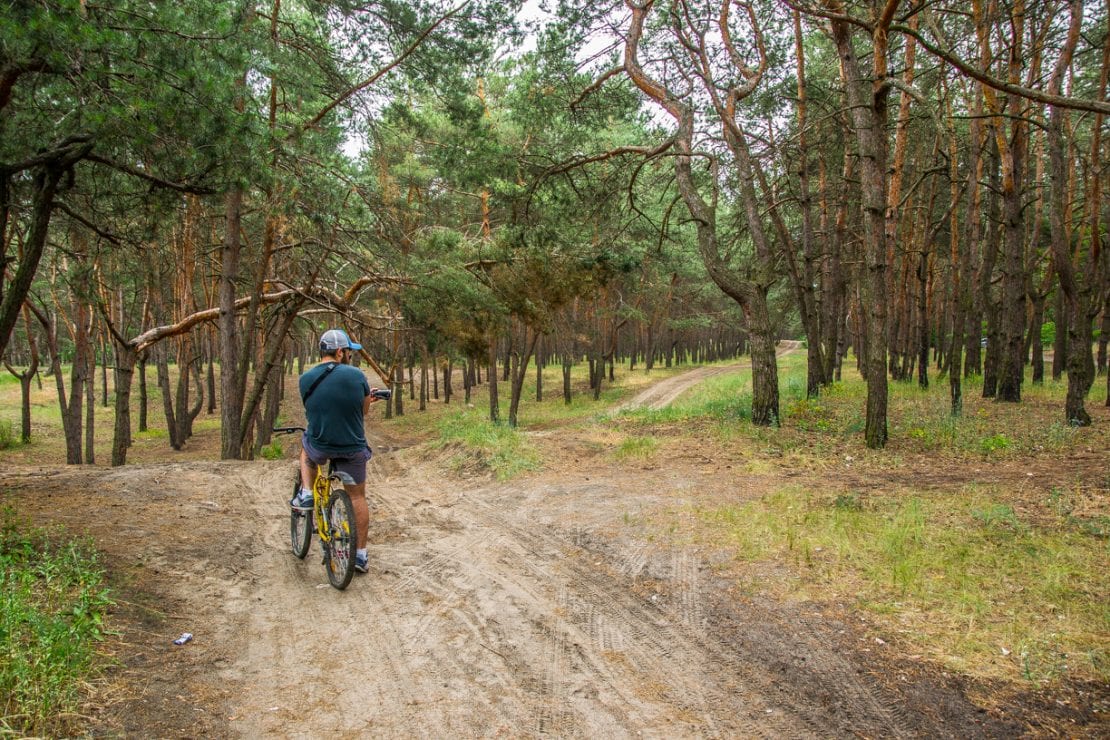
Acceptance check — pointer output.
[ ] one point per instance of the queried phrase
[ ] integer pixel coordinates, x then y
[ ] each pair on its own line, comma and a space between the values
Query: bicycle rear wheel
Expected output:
300, 525
340, 549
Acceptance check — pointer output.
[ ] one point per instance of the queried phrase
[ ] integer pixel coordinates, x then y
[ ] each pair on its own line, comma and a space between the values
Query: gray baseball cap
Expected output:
334, 339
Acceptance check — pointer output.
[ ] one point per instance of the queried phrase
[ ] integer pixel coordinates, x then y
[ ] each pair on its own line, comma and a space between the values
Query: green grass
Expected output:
636, 447
498, 448
9, 437
962, 573
52, 607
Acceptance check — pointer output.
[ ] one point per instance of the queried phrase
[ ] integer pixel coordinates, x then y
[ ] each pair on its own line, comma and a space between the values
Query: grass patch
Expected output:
964, 575
8, 436
636, 447
499, 448
52, 607
272, 451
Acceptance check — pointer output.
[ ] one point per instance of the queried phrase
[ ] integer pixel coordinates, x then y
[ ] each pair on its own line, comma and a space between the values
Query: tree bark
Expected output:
867, 99
494, 407
520, 369
230, 399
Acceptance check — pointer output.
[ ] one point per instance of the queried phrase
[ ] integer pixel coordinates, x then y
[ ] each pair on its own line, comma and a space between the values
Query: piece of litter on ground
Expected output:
1005, 651
272, 709
880, 641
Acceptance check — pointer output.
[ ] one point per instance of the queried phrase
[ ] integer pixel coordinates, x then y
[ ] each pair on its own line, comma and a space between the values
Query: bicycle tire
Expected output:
301, 525
342, 542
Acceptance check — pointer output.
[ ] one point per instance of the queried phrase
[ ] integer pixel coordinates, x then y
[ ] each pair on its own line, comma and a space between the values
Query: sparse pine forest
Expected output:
916, 190
723, 337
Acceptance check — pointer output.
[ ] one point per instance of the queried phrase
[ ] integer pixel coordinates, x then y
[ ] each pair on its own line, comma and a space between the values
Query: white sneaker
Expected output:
302, 501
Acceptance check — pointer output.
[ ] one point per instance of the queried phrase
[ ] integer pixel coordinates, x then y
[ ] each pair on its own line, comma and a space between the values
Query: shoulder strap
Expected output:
318, 381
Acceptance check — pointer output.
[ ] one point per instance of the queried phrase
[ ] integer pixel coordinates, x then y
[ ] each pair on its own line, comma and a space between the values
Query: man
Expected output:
336, 399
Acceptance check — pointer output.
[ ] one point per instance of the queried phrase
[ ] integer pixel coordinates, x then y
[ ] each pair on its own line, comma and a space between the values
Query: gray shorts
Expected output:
354, 465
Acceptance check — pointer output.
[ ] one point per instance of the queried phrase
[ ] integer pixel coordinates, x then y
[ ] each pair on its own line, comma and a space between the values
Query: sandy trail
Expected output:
524, 609
664, 393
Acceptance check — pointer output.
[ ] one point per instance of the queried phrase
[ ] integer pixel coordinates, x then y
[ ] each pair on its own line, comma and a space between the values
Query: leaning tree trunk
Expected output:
162, 363
520, 369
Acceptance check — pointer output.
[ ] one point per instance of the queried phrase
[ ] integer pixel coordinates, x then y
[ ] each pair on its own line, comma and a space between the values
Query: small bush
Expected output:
7, 435
636, 447
272, 451
994, 443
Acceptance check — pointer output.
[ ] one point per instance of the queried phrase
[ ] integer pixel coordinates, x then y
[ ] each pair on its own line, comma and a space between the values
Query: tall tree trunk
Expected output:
964, 244
448, 391
231, 401
126, 358
494, 407
144, 399
868, 101
423, 378
566, 366
1012, 151
1037, 345
988, 306
172, 427
520, 369
1077, 289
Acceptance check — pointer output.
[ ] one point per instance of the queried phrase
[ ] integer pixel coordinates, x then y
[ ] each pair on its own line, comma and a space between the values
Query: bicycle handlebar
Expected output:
288, 430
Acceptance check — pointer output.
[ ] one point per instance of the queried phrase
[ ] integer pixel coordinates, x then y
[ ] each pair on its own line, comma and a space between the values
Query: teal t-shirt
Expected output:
334, 409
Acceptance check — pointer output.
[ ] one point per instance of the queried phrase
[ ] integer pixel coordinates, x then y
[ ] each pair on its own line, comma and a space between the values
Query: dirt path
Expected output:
519, 610
528, 609
663, 394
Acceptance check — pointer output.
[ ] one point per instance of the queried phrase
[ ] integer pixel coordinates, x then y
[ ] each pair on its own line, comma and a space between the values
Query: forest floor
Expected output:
545, 605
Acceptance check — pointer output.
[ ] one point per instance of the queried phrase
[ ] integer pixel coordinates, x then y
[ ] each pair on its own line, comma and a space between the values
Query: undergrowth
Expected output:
962, 574
495, 447
52, 607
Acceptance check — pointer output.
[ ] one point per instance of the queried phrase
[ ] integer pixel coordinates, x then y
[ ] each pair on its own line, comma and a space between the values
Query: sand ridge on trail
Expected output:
520, 609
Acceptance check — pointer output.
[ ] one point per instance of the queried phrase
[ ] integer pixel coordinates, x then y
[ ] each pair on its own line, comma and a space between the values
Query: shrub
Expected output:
7, 435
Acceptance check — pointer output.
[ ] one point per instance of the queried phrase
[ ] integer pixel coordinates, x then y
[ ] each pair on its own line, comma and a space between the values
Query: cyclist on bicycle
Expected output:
336, 399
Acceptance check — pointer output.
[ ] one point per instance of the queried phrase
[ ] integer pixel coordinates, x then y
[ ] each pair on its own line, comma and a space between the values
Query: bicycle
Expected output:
333, 517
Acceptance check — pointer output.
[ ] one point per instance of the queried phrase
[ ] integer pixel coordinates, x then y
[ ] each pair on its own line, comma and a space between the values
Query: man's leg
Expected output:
357, 492
308, 471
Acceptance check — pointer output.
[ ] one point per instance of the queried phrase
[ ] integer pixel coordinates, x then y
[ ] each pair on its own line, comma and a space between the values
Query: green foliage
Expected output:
479, 443
994, 443
1048, 333
272, 451
636, 447
52, 608
8, 436
961, 568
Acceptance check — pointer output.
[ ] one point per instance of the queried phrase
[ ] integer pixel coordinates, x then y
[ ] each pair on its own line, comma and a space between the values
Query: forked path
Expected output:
524, 609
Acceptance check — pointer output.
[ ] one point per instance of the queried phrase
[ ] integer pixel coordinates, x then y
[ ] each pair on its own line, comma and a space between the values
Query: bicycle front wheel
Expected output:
300, 525
342, 543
